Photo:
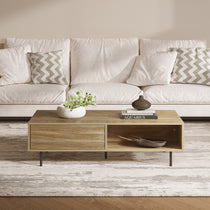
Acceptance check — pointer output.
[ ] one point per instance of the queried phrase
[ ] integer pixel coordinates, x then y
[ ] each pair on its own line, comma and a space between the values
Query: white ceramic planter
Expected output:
75, 113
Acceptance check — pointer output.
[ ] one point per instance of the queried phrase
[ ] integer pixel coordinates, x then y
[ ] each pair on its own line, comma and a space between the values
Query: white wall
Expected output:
164, 19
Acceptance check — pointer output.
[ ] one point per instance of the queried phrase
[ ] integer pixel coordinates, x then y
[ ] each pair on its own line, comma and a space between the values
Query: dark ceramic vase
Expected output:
141, 104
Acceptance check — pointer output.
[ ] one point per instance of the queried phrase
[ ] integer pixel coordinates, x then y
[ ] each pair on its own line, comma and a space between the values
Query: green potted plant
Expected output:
76, 106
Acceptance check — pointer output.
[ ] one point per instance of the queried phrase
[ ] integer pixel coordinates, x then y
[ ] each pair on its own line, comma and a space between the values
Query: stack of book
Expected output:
138, 114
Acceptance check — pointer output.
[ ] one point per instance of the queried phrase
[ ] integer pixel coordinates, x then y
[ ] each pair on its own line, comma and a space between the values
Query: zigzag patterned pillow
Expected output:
47, 67
192, 65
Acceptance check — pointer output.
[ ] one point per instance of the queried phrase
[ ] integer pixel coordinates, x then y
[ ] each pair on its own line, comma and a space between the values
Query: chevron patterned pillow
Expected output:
192, 65
47, 67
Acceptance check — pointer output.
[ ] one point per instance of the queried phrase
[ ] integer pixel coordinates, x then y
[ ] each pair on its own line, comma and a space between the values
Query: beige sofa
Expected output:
102, 66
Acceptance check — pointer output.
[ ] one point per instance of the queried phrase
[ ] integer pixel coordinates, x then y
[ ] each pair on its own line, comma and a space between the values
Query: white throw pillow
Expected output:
46, 45
14, 65
150, 46
102, 60
153, 69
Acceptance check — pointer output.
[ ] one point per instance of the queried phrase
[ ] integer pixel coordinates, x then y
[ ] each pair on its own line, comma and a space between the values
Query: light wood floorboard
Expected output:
104, 203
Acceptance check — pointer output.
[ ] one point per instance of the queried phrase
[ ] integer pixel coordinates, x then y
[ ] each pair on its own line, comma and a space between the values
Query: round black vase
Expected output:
141, 103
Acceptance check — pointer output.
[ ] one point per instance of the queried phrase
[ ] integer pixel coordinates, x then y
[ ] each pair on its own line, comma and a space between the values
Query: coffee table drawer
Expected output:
66, 137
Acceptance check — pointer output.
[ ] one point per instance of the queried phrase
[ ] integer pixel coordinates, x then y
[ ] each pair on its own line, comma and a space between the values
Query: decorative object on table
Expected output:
75, 108
141, 103
138, 114
144, 142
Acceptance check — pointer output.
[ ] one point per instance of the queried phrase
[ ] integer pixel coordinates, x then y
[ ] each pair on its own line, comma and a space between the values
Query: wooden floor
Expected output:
105, 203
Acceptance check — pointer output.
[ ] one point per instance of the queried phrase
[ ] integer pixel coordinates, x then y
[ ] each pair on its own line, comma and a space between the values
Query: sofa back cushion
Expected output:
46, 45
14, 65
150, 46
102, 60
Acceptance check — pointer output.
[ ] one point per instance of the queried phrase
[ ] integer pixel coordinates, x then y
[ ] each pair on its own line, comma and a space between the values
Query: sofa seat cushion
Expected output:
32, 94
177, 94
108, 93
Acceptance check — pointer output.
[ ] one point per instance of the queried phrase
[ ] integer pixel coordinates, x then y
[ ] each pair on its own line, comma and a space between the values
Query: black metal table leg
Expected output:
40, 158
105, 155
170, 158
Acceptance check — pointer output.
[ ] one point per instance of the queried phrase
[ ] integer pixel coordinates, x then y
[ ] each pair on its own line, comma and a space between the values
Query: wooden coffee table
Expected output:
100, 130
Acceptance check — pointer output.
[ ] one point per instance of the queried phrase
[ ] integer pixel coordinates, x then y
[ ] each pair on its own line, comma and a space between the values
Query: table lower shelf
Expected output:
121, 146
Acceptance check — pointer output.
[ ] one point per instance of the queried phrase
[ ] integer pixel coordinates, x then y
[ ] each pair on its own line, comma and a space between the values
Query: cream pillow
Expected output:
153, 69
14, 65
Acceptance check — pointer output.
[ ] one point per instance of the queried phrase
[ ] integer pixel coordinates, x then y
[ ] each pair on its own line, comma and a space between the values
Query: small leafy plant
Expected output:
77, 100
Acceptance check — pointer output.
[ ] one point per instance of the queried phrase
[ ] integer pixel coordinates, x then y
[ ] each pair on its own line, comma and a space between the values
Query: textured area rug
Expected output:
88, 174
